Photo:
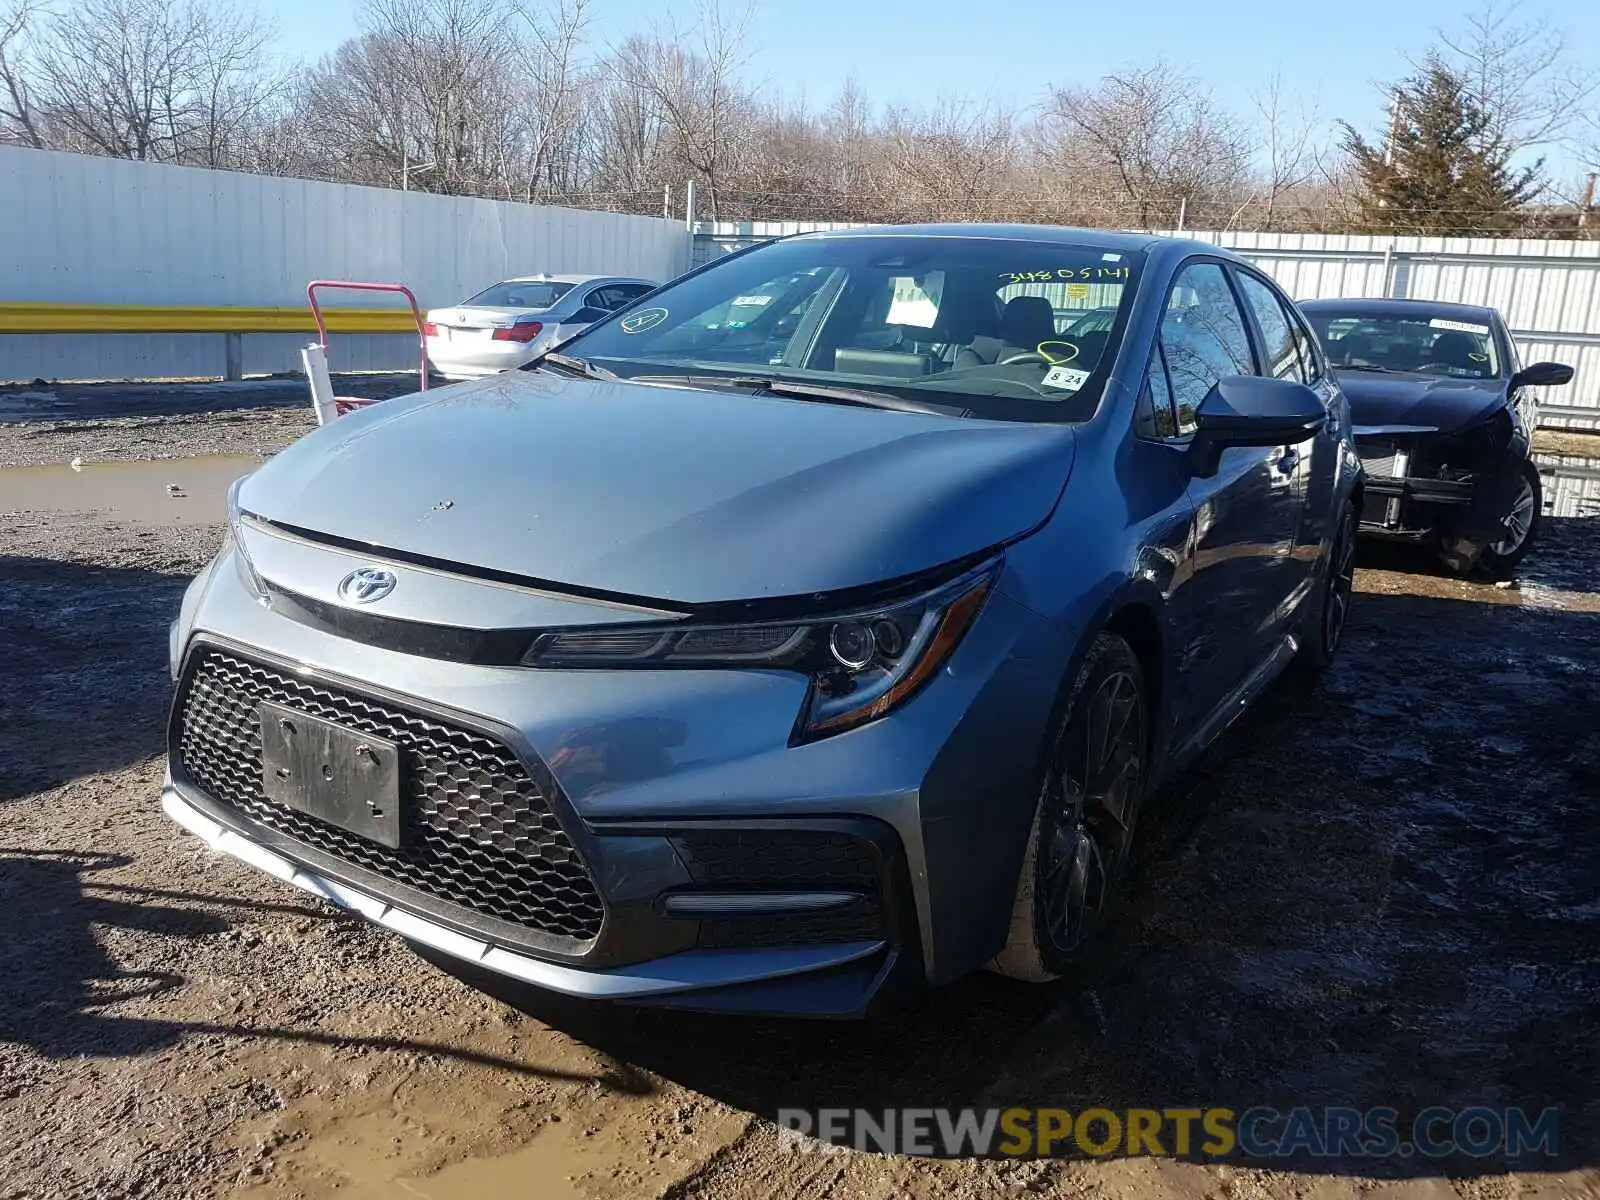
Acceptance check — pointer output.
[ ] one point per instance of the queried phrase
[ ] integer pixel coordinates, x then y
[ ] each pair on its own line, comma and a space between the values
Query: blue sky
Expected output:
1333, 54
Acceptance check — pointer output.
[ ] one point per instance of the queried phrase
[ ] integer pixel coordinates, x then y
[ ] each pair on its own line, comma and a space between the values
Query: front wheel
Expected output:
1083, 824
1517, 527
1323, 627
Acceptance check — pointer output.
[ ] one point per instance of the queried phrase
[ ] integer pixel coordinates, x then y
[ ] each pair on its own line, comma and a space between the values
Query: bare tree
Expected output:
554, 85
694, 77
425, 98
17, 117
171, 80
1518, 72
1154, 136
954, 161
627, 132
846, 137
1286, 129
512, 101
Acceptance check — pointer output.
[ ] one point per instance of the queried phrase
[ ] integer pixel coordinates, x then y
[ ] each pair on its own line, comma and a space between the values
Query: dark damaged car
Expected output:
1443, 417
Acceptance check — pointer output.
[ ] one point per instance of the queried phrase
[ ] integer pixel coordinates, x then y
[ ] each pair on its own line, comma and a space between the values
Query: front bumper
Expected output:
1402, 498
649, 776
841, 979
1410, 505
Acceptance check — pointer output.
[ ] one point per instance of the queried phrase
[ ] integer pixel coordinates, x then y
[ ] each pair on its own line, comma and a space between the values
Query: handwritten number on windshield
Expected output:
1066, 274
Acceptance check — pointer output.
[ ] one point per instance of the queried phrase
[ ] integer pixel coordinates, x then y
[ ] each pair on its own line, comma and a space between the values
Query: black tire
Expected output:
1322, 629
1084, 819
1500, 559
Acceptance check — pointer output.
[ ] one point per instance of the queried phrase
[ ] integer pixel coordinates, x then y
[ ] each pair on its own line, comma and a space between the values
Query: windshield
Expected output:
512, 294
994, 326
1418, 344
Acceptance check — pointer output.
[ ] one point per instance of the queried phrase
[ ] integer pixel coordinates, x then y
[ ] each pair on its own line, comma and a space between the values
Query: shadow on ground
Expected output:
60, 985
84, 686
1377, 889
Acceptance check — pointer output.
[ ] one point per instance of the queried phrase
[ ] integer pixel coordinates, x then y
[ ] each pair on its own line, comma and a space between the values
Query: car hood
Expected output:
664, 493
1420, 403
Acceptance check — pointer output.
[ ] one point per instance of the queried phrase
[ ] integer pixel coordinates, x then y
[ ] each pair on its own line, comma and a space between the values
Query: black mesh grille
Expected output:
778, 859
478, 831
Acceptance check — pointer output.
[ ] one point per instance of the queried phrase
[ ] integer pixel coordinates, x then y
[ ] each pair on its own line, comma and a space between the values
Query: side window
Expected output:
606, 298
1157, 418
631, 291
1513, 355
1202, 338
1277, 334
1310, 352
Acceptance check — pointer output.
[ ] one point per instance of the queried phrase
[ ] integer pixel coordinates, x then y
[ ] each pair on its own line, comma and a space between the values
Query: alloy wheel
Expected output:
1341, 583
1096, 795
1517, 522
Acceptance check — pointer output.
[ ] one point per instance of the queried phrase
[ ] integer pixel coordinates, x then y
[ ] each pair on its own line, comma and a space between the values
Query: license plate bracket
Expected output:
342, 776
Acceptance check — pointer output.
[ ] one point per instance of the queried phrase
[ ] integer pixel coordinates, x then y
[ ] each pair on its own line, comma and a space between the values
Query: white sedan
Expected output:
518, 319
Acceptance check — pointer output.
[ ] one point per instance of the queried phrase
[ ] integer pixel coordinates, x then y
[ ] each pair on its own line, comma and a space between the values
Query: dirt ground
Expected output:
1381, 888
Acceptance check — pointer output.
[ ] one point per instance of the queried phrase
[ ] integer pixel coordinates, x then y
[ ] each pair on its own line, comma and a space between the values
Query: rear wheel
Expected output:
1083, 824
1323, 627
1517, 527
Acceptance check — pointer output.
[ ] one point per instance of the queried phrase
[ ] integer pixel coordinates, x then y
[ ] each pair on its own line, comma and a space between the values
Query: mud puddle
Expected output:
179, 491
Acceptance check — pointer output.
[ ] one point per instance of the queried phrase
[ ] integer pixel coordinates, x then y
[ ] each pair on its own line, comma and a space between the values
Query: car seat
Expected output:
1455, 350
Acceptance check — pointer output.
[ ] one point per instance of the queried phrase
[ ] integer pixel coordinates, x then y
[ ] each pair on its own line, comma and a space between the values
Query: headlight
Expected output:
231, 539
233, 509
862, 664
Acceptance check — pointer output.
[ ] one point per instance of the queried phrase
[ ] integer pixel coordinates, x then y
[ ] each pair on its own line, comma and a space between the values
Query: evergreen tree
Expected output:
1443, 172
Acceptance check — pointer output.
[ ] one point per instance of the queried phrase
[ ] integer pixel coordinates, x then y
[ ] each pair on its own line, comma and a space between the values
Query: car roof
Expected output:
1356, 306
572, 279
1098, 239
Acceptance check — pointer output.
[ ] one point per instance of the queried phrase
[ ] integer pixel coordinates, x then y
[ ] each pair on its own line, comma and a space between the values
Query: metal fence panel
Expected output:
1571, 485
83, 229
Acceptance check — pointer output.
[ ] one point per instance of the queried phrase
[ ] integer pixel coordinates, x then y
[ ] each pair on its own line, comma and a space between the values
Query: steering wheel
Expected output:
1025, 356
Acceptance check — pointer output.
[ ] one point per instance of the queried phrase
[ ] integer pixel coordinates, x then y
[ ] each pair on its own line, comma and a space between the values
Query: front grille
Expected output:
786, 860
478, 831
1378, 457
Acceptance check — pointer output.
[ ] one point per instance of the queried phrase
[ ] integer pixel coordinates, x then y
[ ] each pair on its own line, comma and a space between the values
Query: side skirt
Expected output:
1234, 704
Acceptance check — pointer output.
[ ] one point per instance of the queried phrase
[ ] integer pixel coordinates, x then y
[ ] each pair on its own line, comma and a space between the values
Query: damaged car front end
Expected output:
1467, 491
1443, 424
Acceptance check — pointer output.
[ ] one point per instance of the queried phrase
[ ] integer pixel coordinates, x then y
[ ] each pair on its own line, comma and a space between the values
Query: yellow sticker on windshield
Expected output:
1057, 353
1078, 291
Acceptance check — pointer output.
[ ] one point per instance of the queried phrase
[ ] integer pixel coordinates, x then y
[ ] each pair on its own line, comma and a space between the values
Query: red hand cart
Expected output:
315, 357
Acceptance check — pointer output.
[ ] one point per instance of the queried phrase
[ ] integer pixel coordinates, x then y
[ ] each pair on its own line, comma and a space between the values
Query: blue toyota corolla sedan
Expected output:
809, 632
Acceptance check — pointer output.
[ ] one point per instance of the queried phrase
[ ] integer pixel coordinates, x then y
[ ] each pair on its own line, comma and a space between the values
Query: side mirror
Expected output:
1249, 410
1545, 374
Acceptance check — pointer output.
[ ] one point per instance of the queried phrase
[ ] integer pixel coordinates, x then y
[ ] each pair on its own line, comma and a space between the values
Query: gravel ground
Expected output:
58, 422
1380, 888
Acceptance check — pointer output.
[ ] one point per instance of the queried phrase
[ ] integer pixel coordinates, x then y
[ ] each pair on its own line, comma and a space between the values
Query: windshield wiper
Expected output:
1370, 367
581, 366
827, 393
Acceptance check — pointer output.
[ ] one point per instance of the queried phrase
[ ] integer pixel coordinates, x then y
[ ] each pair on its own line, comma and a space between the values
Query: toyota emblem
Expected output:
365, 585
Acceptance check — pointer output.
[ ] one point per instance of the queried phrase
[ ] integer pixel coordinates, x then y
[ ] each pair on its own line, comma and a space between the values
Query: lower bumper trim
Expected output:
688, 971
